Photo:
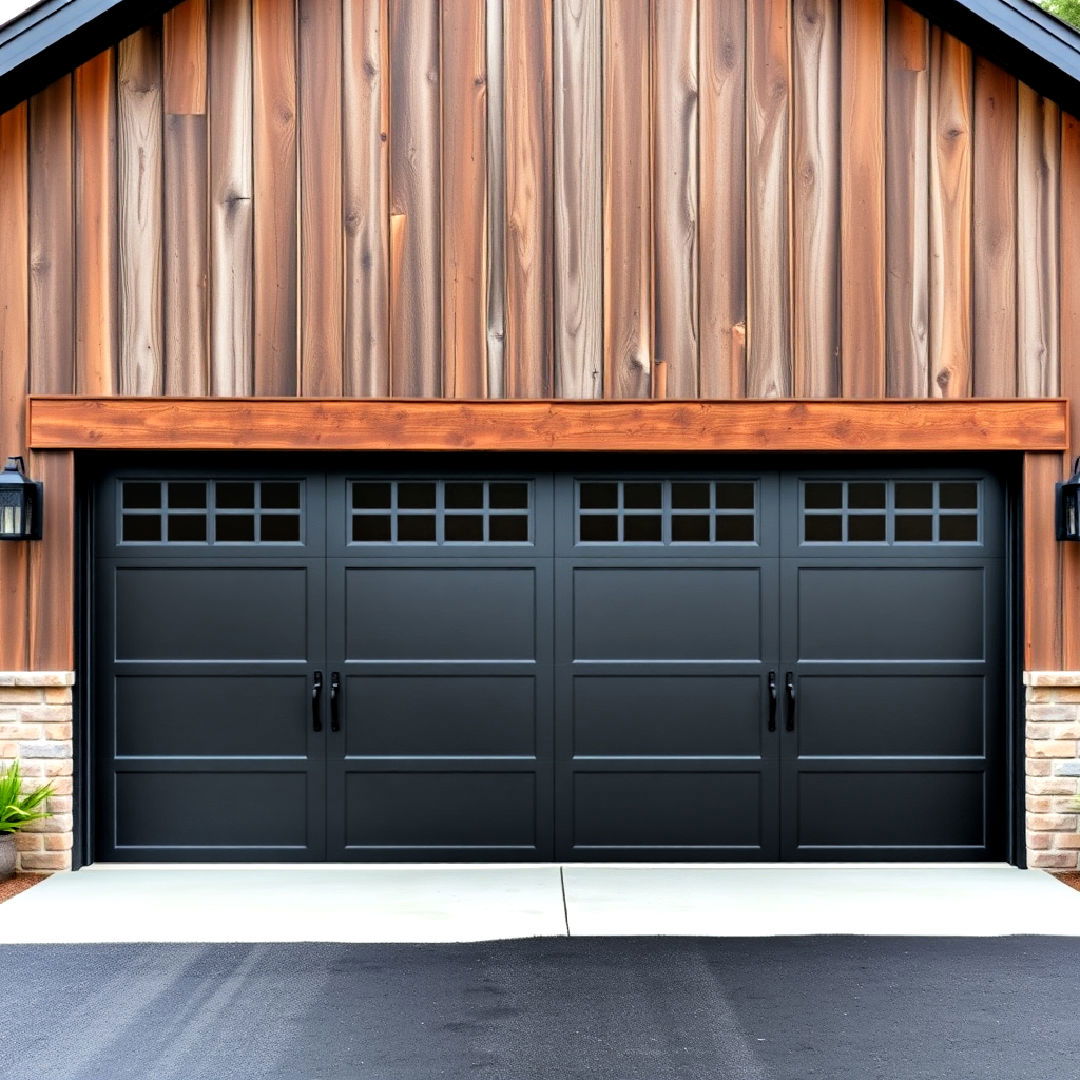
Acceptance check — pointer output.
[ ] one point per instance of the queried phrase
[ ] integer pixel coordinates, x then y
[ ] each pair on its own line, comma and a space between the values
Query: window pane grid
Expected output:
666, 512
437, 512
891, 512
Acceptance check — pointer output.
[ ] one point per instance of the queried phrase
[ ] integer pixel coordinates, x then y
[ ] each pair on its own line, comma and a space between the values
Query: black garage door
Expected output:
389, 664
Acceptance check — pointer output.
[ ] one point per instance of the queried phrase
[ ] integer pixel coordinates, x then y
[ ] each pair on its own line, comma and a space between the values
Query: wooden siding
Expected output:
560, 198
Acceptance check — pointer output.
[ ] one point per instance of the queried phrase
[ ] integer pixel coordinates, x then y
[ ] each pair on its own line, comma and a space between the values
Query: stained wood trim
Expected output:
1042, 558
72, 422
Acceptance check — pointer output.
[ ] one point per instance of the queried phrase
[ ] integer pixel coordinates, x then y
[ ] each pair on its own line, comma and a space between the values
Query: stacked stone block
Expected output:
36, 729
1053, 769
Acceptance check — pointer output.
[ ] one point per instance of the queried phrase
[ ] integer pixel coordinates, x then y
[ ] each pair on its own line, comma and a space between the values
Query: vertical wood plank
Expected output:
530, 369
950, 216
464, 192
815, 198
273, 26
907, 205
994, 232
768, 359
52, 566
139, 195
366, 174
322, 255
415, 213
496, 192
862, 198
52, 265
579, 266
186, 150
1068, 231
1038, 176
1042, 565
627, 202
14, 360
95, 226
231, 197
184, 63
722, 179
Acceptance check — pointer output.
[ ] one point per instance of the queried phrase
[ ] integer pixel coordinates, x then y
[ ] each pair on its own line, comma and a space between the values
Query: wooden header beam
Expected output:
83, 423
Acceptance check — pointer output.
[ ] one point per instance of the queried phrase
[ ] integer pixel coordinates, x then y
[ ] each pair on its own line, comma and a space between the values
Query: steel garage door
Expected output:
489, 664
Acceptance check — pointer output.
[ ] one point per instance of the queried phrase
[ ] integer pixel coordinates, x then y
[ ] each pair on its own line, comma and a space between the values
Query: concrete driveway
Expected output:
480, 903
837, 1008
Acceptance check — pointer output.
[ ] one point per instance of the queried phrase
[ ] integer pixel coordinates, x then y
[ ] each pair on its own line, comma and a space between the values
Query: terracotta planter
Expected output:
7, 856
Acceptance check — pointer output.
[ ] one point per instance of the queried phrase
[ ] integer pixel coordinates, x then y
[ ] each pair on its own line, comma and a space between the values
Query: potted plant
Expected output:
18, 809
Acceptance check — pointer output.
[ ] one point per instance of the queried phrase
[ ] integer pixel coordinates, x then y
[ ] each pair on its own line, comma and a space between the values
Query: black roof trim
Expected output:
56, 36
1019, 36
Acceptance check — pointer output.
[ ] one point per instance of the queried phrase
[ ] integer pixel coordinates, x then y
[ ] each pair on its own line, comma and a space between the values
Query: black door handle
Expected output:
335, 695
790, 687
772, 700
316, 702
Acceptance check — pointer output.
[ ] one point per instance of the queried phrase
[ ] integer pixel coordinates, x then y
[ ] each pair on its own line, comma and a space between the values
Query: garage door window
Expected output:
440, 512
667, 512
210, 512
891, 512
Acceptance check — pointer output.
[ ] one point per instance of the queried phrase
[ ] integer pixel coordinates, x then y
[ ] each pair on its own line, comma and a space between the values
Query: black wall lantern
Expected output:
1068, 506
20, 503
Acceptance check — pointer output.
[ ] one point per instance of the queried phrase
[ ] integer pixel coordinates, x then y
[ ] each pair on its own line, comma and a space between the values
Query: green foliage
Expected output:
17, 807
1066, 10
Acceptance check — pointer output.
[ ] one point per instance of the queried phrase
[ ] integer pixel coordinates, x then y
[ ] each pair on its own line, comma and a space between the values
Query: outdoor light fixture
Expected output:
20, 503
1068, 506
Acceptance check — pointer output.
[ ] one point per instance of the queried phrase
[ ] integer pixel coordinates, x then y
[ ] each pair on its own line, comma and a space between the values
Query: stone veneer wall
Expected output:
1053, 769
35, 727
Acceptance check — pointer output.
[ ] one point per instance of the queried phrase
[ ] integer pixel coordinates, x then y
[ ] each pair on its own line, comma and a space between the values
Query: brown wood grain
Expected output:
274, 240
464, 187
994, 232
322, 267
184, 63
231, 199
366, 119
379, 424
1042, 564
415, 286
187, 257
722, 180
95, 226
768, 330
140, 226
52, 236
627, 180
675, 186
52, 566
950, 215
815, 210
14, 360
1068, 231
579, 264
1038, 173
907, 202
496, 195
862, 198
529, 359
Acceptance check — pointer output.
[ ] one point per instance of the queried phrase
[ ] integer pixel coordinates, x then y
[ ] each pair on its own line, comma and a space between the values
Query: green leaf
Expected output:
18, 808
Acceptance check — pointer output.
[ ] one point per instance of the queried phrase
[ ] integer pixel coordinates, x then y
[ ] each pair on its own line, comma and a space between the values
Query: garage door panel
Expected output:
668, 715
425, 715
698, 613
212, 715
458, 810
214, 613
889, 612
211, 809
878, 810
667, 810
901, 714
440, 613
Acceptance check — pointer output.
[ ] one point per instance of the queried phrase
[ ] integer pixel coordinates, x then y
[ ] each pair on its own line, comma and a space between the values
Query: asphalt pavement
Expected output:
842, 1008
